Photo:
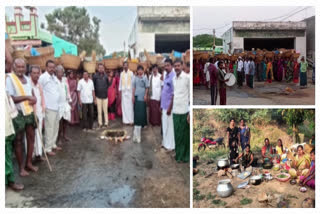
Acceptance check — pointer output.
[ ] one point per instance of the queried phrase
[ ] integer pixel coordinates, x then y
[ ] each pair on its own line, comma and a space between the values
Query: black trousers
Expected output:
214, 94
87, 115
240, 78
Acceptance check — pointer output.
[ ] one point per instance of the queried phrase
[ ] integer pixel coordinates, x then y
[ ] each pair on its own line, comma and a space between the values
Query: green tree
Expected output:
295, 117
205, 41
74, 24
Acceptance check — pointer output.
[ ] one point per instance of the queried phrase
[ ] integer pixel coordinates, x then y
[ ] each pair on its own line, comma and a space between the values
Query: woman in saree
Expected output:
275, 68
279, 150
296, 69
303, 73
112, 91
289, 71
244, 134
280, 69
301, 162
233, 134
309, 178
234, 68
196, 75
264, 69
72, 81
267, 152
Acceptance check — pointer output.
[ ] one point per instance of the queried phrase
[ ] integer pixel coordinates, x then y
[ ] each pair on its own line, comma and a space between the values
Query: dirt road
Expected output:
244, 198
262, 94
91, 172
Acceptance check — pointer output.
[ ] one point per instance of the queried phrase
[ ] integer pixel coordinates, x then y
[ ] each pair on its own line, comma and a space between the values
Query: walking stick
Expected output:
40, 135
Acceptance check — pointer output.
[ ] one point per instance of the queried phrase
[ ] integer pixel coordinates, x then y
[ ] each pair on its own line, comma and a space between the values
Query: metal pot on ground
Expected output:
223, 163
255, 180
224, 188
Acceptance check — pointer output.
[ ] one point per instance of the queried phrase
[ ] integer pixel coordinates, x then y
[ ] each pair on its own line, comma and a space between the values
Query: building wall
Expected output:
310, 34
237, 43
145, 41
157, 20
300, 45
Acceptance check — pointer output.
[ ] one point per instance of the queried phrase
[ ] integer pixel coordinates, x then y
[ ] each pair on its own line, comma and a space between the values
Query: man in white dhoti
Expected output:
39, 109
125, 88
166, 107
64, 104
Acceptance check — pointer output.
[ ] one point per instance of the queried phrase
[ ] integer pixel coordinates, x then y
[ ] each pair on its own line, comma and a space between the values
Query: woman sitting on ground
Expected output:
309, 178
247, 157
267, 152
279, 150
301, 162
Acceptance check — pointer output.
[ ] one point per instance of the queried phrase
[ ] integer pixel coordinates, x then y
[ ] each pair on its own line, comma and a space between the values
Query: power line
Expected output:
274, 18
294, 13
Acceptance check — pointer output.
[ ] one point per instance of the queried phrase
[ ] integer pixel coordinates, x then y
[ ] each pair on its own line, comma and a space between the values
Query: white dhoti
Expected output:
127, 106
38, 136
37, 151
167, 131
65, 111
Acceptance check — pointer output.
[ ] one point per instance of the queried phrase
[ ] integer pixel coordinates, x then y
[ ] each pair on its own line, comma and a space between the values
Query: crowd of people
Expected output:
40, 105
302, 164
246, 71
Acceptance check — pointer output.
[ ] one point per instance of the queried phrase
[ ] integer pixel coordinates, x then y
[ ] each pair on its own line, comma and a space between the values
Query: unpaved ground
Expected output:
262, 94
90, 172
275, 188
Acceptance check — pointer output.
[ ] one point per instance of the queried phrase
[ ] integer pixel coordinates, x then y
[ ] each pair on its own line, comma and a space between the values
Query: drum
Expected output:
232, 79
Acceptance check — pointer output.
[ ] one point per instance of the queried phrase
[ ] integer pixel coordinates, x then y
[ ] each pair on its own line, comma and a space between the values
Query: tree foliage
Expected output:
74, 24
205, 41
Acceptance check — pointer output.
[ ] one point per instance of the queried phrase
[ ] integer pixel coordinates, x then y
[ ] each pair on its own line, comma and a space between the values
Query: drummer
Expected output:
222, 84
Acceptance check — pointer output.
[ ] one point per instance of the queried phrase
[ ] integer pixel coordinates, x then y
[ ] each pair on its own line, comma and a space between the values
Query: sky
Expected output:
220, 18
115, 26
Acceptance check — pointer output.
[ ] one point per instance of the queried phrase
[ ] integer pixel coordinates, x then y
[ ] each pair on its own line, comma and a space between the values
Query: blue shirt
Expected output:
167, 90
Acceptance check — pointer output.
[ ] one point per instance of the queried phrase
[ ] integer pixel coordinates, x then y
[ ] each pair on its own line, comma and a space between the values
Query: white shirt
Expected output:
246, 67
85, 88
156, 87
12, 91
50, 87
206, 67
240, 66
181, 88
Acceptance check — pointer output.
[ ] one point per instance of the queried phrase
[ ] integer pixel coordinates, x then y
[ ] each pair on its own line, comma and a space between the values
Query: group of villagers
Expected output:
299, 163
40, 105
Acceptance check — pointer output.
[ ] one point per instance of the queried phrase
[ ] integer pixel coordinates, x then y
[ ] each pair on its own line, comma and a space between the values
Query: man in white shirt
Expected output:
86, 97
154, 97
240, 71
64, 104
180, 110
246, 70
18, 86
50, 87
39, 109
125, 88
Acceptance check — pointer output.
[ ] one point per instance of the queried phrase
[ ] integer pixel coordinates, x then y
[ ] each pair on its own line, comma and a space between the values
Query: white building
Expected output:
160, 30
265, 35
